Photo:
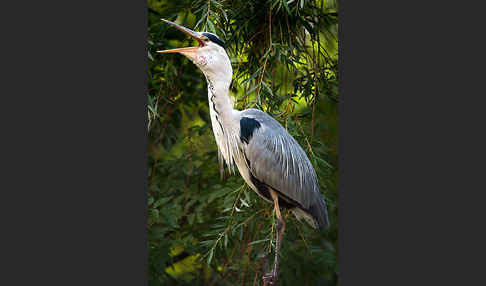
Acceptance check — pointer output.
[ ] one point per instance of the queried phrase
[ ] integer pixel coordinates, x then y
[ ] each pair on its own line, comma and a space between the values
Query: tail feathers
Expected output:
319, 212
316, 216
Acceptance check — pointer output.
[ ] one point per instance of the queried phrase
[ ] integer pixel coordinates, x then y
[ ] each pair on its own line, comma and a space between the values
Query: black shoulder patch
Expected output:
214, 39
247, 127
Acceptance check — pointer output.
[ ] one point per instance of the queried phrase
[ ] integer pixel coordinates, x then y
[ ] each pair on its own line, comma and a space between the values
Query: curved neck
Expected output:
221, 110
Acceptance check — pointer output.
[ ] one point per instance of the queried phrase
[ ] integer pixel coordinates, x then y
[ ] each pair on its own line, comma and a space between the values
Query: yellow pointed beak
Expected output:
188, 32
180, 50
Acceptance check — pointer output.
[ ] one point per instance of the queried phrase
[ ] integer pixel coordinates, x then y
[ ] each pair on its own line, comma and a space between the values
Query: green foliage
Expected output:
206, 231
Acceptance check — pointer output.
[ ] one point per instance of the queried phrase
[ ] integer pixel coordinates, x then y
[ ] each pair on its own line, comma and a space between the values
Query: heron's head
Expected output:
210, 56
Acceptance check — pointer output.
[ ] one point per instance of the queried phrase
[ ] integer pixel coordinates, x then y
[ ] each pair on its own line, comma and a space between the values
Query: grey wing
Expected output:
277, 160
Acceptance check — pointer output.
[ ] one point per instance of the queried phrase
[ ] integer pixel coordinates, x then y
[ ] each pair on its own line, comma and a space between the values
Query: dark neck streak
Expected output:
213, 93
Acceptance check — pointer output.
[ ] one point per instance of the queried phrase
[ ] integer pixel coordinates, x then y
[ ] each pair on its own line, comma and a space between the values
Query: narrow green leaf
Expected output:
251, 89
323, 162
258, 241
162, 201
254, 75
267, 88
211, 252
200, 20
200, 9
287, 6
211, 27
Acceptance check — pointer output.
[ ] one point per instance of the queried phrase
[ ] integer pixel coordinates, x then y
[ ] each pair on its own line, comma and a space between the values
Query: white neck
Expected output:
221, 113
218, 97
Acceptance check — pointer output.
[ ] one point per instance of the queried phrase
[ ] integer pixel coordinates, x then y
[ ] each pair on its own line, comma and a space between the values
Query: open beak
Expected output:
188, 32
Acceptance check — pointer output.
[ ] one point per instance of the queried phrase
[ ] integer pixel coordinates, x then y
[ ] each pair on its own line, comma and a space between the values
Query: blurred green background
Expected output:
205, 230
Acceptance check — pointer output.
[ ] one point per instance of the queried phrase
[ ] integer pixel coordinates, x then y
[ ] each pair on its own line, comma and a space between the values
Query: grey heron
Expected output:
268, 158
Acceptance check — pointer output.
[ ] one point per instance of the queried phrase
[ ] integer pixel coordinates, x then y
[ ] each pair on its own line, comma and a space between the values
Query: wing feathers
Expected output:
276, 160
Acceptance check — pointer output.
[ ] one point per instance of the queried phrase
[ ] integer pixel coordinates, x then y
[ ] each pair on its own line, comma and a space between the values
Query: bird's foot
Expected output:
270, 279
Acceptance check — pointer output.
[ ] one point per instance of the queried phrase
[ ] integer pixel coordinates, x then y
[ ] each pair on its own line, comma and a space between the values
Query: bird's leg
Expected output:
271, 277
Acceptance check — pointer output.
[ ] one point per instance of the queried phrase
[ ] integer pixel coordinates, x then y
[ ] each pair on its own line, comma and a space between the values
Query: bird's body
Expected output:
268, 158
266, 155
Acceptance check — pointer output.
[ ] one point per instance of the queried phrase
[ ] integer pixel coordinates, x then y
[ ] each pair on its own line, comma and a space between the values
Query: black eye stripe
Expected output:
215, 39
